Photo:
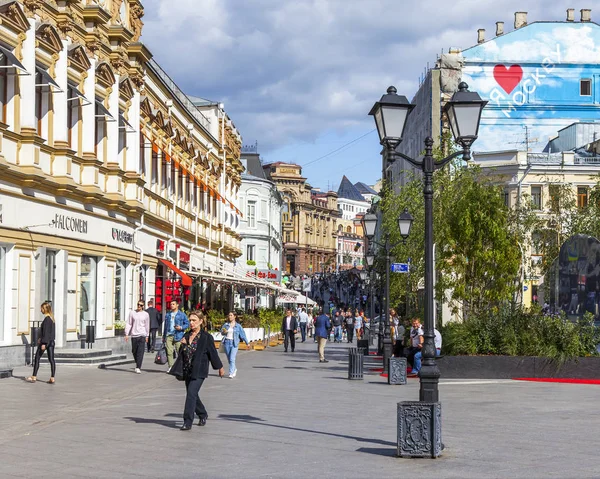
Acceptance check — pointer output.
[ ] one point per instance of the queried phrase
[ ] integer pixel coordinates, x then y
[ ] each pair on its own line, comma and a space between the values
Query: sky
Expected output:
300, 76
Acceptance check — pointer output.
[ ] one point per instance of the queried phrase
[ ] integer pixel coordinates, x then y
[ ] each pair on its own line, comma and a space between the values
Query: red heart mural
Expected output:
508, 78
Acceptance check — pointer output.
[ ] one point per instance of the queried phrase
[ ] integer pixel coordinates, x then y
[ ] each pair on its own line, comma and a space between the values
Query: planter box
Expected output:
508, 367
119, 332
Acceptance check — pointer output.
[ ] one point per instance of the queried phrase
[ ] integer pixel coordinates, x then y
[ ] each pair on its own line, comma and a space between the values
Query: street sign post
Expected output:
400, 267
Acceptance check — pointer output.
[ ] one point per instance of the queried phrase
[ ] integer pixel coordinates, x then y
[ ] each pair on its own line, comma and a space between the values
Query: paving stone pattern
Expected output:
288, 416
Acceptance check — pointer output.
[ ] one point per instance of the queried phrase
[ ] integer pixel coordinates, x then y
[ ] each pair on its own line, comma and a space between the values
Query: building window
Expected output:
250, 252
554, 191
582, 197
50, 276
251, 214
536, 197
194, 193
263, 209
164, 170
87, 287
173, 170
120, 272
154, 174
287, 237
142, 154
180, 184
585, 87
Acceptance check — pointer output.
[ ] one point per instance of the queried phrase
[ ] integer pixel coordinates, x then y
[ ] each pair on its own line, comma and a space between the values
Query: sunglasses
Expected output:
140, 305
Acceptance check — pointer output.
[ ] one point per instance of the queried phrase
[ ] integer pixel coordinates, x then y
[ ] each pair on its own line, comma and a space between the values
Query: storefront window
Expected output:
119, 291
2, 276
50, 276
87, 283
142, 283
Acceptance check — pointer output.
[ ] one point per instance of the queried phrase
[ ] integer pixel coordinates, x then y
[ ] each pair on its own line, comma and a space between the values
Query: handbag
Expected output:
161, 356
177, 368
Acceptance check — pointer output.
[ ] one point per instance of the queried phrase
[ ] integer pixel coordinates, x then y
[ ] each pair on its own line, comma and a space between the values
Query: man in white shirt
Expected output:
303, 317
438, 342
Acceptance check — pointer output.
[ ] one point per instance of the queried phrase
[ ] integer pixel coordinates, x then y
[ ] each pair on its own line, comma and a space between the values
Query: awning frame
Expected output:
14, 62
185, 279
47, 80
104, 113
78, 95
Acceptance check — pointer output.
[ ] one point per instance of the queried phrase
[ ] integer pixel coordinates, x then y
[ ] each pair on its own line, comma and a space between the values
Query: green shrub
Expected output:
522, 332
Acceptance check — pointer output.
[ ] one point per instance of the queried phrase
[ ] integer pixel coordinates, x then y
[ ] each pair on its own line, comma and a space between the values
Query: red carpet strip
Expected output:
560, 380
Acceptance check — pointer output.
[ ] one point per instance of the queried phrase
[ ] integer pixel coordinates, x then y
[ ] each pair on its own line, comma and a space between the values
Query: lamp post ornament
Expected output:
464, 115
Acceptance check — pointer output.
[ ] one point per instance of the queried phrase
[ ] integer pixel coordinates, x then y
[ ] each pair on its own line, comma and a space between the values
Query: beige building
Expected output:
309, 221
533, 177
114, 186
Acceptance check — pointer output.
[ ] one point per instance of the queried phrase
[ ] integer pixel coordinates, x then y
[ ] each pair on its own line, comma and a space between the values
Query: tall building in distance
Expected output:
309, 221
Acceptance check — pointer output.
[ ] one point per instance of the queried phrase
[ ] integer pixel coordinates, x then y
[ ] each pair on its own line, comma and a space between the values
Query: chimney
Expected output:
481, 35
586, 15
520, 19
499, 28
570, 14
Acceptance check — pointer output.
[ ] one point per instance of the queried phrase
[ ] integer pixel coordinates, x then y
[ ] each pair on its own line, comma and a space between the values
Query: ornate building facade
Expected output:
114, 185
309, 221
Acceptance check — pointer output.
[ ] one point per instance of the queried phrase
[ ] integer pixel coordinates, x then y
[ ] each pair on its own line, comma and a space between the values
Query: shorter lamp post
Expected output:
419, 424
370, 223
370, 258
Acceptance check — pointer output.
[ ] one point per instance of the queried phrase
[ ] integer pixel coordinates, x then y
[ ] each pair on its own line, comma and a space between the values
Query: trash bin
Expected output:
36, 332
90, 333
363, 344
355, 363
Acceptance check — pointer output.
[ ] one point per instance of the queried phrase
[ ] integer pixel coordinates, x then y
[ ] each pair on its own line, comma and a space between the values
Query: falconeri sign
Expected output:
70, 223
122, 236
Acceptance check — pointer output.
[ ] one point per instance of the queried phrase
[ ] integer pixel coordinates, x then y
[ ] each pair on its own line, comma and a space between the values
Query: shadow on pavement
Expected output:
378, 451
132, 370
160, 422
343, 436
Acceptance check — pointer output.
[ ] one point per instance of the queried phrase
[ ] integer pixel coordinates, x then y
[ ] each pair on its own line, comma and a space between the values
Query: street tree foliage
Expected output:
477, 252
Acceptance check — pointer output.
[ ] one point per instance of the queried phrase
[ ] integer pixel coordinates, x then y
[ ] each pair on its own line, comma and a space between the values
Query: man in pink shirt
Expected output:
138, 327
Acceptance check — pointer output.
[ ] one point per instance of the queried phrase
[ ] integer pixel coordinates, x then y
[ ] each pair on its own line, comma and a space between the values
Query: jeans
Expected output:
350, 333
38, 356
338, 333
138, 345
193, 404
171, 346
303, 331
231, 353
416, 363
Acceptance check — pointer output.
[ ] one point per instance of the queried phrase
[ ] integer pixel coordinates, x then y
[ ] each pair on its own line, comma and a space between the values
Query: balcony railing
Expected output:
587, 160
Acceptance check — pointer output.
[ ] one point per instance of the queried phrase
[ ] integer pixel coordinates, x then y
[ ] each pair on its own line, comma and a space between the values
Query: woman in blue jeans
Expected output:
232, 334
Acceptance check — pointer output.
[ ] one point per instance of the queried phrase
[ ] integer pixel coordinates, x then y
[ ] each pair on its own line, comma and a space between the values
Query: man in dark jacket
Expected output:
322, 328
155, 323
289, 327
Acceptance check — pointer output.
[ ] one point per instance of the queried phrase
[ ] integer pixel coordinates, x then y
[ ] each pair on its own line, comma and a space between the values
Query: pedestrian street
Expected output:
287, 415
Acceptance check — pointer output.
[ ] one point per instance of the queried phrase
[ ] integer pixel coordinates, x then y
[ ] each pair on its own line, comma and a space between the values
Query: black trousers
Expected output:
289, 336
193, 404
38, 356
152, 339
350, 333
138, 345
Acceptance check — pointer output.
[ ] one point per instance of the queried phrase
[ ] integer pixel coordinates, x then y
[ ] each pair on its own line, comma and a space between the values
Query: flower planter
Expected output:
119, 332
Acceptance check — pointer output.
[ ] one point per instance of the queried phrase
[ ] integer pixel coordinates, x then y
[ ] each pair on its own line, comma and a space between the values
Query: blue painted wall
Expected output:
531, 77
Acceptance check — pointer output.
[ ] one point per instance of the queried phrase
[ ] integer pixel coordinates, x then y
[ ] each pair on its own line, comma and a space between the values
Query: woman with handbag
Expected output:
45, 343
197, 350
232, 333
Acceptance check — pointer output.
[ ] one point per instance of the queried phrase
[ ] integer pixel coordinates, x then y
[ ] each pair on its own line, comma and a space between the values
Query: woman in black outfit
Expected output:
197, 350
45, 343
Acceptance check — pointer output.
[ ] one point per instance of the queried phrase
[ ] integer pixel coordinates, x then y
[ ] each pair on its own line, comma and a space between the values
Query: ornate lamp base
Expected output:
397, 374
419, 429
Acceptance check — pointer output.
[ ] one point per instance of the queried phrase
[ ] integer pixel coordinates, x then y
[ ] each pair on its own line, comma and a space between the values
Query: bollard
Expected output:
397, 371
355, 364
363, 344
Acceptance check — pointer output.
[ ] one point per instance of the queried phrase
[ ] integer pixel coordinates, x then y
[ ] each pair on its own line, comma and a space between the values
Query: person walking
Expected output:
303, 319
138, 327
337, 327
349, 326
233, 333
45, 343
322, 328
289, 326
358, 324
176, 322
397, 332
155, 324
311, 325
197, 350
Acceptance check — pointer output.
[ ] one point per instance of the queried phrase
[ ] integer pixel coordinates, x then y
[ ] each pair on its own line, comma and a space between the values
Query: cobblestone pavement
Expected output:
287, 415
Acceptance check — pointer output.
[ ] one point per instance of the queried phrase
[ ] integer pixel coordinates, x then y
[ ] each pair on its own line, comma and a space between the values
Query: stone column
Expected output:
60, 103
27, 82
88, 112
112, 127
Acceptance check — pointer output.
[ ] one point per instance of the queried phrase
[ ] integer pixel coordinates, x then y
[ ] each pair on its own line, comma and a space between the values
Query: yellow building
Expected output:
114, 184
309, 221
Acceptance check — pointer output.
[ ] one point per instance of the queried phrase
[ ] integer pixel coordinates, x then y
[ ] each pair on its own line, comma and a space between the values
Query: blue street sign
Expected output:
525, 288
400, 267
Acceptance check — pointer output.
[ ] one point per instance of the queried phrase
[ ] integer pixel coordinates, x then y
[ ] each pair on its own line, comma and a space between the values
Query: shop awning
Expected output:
185, 279
43, 78
10, 61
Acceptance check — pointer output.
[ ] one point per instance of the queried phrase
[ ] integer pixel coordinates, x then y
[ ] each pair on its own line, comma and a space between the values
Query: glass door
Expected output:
87, 287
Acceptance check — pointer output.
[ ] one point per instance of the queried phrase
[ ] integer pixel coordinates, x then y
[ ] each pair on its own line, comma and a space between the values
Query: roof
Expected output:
254, 166
348, 190
364, 189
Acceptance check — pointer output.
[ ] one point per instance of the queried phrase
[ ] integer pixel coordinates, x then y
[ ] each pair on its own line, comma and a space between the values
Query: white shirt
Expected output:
303, 317
415, 333
288, 322
230, 332
438, 339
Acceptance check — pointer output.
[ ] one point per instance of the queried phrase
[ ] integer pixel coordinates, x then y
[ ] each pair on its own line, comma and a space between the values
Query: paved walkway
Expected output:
288, 416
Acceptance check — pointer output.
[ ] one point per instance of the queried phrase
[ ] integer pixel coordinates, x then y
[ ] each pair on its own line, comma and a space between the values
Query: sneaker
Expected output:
168, 370
137, 371
234, 372
231, 376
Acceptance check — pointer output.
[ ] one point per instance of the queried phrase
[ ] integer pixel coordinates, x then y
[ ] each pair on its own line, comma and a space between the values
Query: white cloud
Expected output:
289, 70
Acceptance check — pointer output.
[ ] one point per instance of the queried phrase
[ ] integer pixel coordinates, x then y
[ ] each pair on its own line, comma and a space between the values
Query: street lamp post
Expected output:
464, 115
